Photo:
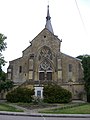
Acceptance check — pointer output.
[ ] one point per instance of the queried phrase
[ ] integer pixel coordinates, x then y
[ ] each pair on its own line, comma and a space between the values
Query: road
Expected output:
9, 117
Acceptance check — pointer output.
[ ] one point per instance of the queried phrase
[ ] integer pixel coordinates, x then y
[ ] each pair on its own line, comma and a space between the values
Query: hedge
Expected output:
20, 95
56, 94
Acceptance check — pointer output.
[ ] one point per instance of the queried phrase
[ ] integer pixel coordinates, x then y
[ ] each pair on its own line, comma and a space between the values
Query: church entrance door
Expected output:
45, 75
49, 75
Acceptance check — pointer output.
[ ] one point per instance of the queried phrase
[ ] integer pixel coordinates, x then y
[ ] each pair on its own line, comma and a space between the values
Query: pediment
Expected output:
44, 38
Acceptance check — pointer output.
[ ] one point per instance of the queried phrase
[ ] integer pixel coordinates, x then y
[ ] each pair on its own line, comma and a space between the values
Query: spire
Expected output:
48, 21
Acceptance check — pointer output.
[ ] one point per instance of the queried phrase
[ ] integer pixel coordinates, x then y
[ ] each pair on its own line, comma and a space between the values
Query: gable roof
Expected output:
45, 29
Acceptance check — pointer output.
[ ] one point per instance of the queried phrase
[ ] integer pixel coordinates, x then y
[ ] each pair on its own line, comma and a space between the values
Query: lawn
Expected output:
82, 109
6, 107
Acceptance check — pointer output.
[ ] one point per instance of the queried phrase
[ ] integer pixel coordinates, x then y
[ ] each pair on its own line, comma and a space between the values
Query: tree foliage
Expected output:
2, 48
86, 66
2, 61
2, 42
4, 83
3, 76
56, 94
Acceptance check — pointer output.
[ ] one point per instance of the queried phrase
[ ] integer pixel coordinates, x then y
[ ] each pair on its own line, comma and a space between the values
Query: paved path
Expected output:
10, 117
45, 115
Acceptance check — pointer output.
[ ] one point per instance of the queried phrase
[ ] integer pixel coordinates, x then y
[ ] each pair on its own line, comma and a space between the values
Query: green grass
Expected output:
6, 107
82, 109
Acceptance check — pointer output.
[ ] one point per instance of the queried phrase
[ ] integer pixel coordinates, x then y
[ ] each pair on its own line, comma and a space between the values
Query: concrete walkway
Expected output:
45, 115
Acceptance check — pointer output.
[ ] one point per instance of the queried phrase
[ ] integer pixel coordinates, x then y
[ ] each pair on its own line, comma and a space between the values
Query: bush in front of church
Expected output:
20, 95
56, 94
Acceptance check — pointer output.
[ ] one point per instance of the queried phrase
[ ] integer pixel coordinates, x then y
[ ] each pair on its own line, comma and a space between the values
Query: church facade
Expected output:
43, 62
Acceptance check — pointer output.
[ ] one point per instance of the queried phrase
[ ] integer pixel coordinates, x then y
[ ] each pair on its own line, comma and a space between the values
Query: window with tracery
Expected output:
45, 65
45, 53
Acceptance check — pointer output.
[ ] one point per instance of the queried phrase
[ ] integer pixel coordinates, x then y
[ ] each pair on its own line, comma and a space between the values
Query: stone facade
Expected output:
43, 62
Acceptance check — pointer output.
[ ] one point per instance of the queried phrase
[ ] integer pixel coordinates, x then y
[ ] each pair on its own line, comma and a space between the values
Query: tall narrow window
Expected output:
70, 67
20, 69
49, 75
41, 76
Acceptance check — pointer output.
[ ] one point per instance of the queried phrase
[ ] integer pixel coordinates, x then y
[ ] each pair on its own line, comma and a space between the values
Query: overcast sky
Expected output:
22, 20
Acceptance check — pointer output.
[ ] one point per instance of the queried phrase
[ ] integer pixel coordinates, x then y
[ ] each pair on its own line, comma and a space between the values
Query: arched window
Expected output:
45, 53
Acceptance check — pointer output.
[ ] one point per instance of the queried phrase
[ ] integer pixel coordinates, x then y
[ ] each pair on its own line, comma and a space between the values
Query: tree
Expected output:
2, 48
86, 66
4, 84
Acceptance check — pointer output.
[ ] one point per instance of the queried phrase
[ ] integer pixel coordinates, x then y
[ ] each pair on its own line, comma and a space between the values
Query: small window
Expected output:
44, 36
31, 56
70, 67
25, 74
20, 69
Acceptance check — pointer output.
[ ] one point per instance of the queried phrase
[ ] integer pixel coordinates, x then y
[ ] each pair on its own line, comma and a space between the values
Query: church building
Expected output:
43, 62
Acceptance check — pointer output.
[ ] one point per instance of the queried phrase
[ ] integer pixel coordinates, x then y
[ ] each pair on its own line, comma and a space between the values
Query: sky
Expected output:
22, 20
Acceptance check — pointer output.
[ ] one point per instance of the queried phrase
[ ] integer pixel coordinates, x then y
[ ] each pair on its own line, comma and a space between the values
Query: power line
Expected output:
80, 15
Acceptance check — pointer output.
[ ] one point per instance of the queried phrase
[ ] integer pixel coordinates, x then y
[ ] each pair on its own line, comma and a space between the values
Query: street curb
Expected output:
46, 115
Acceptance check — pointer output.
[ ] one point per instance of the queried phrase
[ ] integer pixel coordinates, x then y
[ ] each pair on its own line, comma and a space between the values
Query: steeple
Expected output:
48, 21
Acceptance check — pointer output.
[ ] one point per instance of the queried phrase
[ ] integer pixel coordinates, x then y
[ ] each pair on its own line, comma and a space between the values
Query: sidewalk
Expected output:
45, 115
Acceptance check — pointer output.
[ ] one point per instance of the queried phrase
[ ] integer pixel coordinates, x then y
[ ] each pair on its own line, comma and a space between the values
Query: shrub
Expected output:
37, 100
56, 94
20, 95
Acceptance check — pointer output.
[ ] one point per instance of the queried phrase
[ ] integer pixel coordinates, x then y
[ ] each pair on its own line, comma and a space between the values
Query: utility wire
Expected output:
80, 15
